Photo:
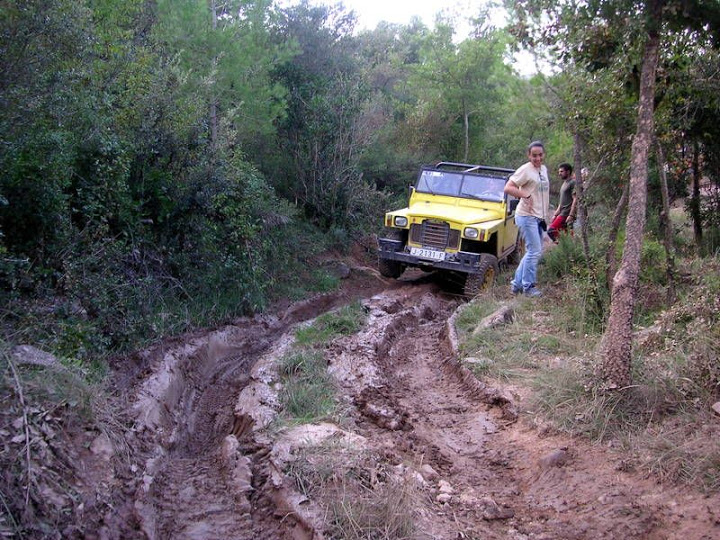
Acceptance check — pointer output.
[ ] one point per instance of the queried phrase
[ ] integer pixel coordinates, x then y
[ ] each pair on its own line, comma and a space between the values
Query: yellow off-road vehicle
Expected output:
458, 220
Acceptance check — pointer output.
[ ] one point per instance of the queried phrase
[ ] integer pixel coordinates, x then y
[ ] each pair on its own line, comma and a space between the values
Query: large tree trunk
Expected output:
616, 344
666, 226
612, 235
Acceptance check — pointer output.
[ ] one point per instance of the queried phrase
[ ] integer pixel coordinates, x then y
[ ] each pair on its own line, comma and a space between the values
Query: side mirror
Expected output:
411, 190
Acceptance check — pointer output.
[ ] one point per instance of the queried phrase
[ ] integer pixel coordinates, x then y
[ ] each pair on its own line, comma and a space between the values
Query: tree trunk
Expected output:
213, 99
695, 201
580, 189
612, 235
466, 120
666, 226
616, 345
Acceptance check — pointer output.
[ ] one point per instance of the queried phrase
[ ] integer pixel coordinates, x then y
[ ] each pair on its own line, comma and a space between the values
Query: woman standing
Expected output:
531, 185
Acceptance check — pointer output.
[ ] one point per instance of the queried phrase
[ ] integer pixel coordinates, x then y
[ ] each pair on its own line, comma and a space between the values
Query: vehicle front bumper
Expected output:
462, 261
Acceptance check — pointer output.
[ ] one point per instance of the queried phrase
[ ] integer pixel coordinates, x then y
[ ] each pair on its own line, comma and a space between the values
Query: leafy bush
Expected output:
564, 259
686, 338
711, 241
653, 263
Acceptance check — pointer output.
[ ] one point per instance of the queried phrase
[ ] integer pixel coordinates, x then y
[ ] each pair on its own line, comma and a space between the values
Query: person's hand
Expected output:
529, 203
570, 220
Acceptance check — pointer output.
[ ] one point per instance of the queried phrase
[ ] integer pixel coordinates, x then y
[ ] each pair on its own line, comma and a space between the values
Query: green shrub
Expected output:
653, 263
564, 259
711, 242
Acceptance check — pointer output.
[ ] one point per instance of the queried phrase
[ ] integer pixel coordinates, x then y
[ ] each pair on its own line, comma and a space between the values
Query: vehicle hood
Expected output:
455, 213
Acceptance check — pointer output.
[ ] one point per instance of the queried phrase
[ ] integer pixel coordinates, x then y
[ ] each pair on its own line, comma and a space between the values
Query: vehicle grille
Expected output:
435, 235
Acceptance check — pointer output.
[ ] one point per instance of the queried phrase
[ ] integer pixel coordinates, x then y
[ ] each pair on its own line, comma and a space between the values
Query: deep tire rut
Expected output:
205, 466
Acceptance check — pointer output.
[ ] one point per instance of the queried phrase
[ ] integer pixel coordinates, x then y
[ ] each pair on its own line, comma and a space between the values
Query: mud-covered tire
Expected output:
390, 269
484, 279
516, 256
387, 267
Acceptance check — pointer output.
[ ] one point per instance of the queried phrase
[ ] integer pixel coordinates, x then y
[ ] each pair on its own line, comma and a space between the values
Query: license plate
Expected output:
424, 253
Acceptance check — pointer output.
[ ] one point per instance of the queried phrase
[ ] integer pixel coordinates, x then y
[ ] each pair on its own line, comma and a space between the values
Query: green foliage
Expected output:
565, 396
382, 512
308, 394
686, 450
346, 321
688, 337
115, 195
711, 242
653, 265
564, 259
43, 407
662, 420
565, 264
362, 498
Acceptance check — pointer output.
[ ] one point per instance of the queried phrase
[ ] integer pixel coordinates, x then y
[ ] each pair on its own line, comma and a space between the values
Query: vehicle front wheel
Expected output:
389, 268
484, 278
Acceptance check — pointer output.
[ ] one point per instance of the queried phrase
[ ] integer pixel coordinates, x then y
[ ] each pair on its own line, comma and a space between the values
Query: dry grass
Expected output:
360, 495
663, 420
44, 411
683, 449
381, 512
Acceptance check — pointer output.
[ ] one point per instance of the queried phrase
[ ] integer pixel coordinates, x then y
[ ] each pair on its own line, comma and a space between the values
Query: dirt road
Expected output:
203, 458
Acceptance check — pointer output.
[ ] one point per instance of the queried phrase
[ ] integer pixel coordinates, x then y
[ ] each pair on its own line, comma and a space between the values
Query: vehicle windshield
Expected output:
459, 184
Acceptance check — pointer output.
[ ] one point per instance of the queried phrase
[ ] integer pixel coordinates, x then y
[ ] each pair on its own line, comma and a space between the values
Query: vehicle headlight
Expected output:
469, 232
401, 221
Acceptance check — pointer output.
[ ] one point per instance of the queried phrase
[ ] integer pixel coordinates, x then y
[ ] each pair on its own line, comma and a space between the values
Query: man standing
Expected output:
566, 210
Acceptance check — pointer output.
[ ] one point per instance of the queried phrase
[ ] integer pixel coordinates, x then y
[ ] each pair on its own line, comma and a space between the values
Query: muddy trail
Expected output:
204, 457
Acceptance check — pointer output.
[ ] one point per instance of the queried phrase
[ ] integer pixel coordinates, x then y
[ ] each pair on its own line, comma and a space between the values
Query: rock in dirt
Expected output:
556, 458
428, 473
492, 510
445, 487
504, 315
337, 269
716, 407
29, 355
102, 447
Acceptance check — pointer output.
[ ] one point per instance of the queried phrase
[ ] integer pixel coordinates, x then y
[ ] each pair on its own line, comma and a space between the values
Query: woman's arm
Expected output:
512, 189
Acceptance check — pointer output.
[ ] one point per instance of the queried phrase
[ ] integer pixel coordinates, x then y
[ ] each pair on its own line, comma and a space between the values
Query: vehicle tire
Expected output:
484, 278
389, 268
517, 254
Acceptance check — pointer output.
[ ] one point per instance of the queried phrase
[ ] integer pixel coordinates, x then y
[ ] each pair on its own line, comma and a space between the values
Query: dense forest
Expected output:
177, 175
167, 164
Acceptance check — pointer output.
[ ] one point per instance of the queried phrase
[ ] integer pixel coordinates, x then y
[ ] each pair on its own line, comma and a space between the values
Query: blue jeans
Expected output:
526, 273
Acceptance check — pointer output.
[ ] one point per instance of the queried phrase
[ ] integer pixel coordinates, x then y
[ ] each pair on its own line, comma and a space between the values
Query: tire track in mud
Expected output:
202, 473
208, 469
497, 479
192, 487
424, 406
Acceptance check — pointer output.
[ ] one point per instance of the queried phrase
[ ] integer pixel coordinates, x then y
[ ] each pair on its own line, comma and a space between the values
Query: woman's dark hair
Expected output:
534, 144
